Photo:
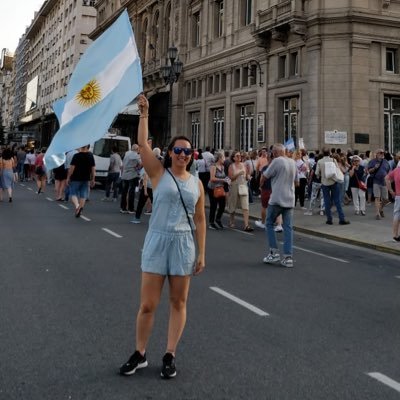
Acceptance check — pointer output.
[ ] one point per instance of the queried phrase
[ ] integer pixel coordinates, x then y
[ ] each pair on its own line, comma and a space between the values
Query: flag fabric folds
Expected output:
289, 144
106, 79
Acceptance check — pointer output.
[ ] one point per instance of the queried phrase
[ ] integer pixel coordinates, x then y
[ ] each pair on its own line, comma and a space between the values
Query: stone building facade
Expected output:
46, 56
254, 71
260, 71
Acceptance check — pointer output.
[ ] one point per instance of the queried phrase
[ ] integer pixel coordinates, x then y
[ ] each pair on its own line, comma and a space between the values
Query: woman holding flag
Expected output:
169, 250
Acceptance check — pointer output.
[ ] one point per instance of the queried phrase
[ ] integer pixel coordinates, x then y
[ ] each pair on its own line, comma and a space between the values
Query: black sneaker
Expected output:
344, 222
136, 361
219, 223
213, 226
168, 370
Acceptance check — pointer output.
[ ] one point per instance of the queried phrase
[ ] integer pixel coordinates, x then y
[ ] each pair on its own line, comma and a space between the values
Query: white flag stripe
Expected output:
107, 79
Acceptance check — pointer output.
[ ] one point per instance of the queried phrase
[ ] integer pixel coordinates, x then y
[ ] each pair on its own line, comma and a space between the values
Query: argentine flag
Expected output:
289, 144
107, 78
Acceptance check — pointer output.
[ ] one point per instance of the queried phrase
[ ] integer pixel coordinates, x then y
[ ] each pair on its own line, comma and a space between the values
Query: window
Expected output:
246, 127
194, 87
246, 8
294, 64
236, 78
216, 84
223, 82
245, 77
218, 129
188, 90
219, 18
196, 29
210, 85
391, 118
199, 82
391, 60
290, 118
195, 129
282, 67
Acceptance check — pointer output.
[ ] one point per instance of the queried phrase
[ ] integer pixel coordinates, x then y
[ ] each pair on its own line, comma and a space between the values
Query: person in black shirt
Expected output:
81, 174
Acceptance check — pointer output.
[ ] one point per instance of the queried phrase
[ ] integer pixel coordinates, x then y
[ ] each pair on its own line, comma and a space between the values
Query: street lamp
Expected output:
171, 72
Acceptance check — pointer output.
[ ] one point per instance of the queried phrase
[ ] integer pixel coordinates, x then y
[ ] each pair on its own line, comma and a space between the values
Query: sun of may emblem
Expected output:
90, 94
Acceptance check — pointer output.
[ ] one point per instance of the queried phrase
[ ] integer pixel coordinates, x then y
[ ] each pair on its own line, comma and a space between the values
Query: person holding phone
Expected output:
169, 253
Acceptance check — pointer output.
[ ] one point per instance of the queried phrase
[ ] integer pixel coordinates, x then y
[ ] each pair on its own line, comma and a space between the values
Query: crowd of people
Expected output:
171, 187
231, 179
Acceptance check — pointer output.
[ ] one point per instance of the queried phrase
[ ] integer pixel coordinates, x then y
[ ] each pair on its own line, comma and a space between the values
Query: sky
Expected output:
15, 16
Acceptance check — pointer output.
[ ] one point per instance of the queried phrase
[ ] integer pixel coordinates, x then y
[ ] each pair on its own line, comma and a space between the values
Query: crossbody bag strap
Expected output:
183, 203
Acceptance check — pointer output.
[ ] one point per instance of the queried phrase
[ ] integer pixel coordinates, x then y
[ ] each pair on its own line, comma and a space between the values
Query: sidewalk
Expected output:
363, 231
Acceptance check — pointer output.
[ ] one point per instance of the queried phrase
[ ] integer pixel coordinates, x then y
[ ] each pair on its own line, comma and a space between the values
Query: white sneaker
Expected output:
272, 258
309, 212
287, 262
278, 228
321, 213
259, 224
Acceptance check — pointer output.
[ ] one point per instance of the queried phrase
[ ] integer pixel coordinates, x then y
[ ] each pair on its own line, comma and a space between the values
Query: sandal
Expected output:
248, 228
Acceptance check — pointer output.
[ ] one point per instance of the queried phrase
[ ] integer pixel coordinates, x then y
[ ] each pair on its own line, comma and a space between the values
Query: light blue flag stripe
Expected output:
89, 125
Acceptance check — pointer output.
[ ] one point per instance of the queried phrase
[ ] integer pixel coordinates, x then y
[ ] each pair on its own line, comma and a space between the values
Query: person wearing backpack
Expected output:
330, 189
378, 168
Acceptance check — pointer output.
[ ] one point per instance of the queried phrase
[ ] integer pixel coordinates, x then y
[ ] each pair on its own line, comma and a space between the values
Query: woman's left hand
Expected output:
200, 265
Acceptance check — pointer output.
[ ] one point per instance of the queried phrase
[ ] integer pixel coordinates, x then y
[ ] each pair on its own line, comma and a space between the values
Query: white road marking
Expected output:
64, 207
243, 303
385, 380
245, 233
29, 188
49, 199
85, 218
111, 232
22, 184
398, 276
320, 254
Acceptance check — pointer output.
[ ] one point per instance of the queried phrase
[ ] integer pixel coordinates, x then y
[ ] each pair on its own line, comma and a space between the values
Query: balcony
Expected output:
277, 21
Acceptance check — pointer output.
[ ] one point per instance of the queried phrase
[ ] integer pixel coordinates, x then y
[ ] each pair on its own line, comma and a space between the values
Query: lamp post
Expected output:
170, 72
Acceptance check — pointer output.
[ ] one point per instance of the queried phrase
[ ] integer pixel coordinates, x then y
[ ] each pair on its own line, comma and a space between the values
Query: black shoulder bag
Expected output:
183, 203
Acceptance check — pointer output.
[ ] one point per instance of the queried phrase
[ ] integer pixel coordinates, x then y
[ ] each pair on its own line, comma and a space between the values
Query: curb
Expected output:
353, 242
377, 247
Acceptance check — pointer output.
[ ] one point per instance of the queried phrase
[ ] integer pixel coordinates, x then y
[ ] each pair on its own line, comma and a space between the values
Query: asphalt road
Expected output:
69, 293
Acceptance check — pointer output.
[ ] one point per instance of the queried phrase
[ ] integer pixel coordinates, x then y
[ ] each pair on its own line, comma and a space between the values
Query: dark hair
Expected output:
325, 151
167, 159
6, 154
114, 149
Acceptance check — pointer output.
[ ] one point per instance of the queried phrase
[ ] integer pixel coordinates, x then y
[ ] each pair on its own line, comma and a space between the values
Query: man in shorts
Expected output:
378, 168
81, 174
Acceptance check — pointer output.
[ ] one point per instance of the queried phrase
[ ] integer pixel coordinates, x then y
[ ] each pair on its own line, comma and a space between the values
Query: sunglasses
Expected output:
178, 150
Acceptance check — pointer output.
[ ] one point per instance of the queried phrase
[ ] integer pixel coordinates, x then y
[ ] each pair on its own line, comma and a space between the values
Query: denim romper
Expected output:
169, 247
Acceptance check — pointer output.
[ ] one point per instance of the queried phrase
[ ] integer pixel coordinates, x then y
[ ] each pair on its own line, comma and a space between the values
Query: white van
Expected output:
102, 151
